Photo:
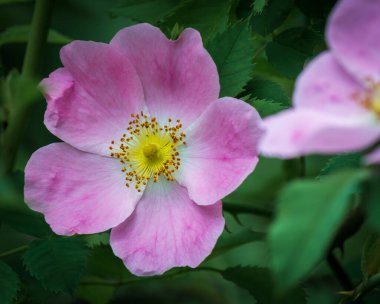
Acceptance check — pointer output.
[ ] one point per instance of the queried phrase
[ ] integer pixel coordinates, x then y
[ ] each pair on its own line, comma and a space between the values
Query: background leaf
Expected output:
27, 222
146, 10
258, 5
339, 162
271, 17
209, 17
267, 107
9, 284
309, 212
297, 45
58, 263
232, 52
371, 198
233, 240
259, 282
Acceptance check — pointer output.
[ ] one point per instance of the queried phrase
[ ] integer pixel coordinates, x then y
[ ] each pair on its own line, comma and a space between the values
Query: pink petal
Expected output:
354, 37
167, 230
325, 86
298, 132
56, 84
91, 99
77, 192
373, 158
221, 150
179, 77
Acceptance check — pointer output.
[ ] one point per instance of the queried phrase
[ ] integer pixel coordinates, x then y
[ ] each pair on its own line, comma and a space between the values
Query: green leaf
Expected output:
271, 17
20, 34
9, 284
258, 281
297, 45
258, 5
36, 293
308, 215
344, 161
27, 222
267, 107
146, 10
58, 263
209, 17
371, 199
94, 240
370, 263
231, 241
315, 9
232, 52
268, 90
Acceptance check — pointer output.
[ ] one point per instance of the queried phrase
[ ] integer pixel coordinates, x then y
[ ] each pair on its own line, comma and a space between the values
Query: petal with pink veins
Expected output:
325, 86
78, 192
91, 99
298, 132
220, 151
354, 37
179, 77
167, 230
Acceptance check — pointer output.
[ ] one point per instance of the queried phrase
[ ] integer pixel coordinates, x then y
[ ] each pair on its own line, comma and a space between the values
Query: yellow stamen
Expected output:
149, 151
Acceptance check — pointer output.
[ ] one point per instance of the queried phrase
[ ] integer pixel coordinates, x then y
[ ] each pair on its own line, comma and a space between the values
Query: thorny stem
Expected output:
30, 70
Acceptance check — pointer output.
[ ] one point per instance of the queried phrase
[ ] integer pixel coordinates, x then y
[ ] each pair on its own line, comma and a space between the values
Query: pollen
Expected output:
148, 150
371, 98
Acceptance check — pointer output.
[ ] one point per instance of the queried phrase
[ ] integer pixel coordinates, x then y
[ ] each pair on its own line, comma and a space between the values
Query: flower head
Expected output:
337, 97
149, 150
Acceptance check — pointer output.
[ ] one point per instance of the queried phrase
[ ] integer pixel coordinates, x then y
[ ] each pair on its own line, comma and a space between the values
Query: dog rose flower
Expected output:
149, 150
337, 97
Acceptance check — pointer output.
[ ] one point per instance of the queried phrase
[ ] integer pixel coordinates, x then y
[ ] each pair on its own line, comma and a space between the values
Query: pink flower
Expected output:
149, 148
337, 97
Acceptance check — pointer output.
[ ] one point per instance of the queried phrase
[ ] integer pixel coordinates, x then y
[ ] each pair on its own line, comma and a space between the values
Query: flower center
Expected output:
371, 98
149, 150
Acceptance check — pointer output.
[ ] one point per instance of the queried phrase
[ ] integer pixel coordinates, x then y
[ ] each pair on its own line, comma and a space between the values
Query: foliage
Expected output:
259, 282
232, 52
322, 204
9, 284
58, 262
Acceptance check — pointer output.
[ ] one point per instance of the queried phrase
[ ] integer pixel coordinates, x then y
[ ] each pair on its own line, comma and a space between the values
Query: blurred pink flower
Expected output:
373, 157
149, 148
337, 97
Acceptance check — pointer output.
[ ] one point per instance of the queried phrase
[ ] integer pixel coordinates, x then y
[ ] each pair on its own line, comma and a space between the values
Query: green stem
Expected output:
13, 251
372, 283
39, 32
339, 272
174, 274
30, 70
